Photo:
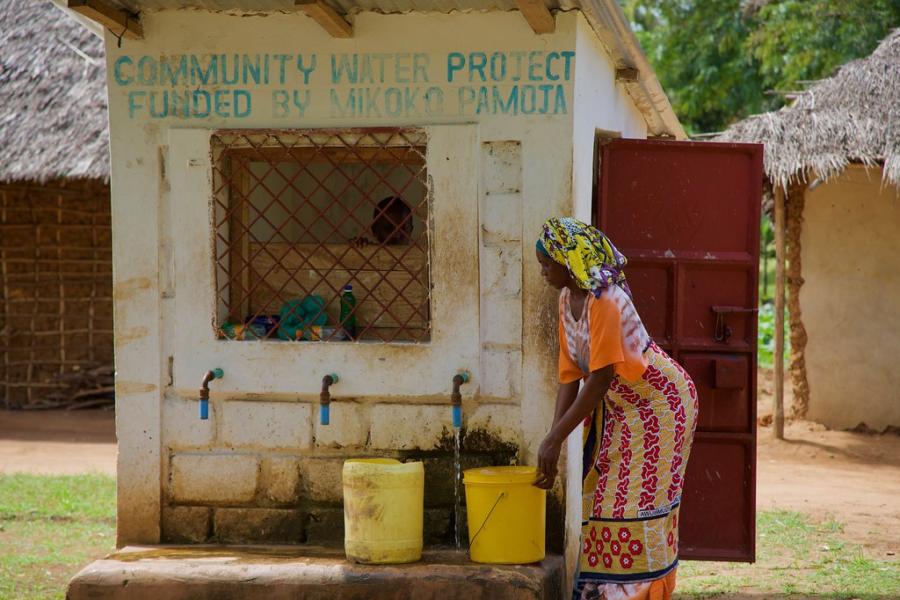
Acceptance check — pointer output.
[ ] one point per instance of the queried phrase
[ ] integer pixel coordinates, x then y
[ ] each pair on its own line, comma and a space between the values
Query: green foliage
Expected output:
766, 318
802, 39
766, 336
717, 58
766, 261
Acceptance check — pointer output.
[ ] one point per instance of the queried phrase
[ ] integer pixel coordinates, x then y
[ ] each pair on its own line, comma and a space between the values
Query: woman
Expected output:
639, 408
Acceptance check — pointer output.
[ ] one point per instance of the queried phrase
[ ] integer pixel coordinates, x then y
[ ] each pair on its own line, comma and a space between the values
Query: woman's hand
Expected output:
586, 401
548, 459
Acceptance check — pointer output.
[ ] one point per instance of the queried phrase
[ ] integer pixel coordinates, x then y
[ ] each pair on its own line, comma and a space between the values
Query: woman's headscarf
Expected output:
586, 252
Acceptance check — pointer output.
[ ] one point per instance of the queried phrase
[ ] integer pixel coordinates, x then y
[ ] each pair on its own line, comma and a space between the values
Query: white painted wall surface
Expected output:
486, 215
601, 107
851, 272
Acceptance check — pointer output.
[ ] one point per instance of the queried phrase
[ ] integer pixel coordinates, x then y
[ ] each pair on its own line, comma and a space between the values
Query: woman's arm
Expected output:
593, 391
594, 388
565, 396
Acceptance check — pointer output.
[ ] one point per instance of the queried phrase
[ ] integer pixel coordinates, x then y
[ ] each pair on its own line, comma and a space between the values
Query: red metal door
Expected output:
686, 214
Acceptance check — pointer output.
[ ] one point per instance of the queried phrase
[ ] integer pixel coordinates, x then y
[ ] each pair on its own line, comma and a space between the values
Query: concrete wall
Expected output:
602, 109
261, 467
851, 272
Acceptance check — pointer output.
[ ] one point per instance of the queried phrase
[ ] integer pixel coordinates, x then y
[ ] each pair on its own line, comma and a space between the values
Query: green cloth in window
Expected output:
296, 317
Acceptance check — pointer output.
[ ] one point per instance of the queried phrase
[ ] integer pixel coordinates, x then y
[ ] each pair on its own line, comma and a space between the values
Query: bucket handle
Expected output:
483, 523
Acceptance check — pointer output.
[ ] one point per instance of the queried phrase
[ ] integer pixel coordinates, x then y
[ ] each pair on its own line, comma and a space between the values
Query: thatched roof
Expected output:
53, 118
852, 117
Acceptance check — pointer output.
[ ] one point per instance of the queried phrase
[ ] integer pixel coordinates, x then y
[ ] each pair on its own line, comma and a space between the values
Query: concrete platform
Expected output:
292, 572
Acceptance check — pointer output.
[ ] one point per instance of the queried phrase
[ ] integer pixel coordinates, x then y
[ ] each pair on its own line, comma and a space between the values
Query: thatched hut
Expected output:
833, 159
55, 246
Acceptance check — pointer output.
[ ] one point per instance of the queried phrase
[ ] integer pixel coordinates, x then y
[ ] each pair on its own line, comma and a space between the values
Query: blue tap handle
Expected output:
457, 416
324, 414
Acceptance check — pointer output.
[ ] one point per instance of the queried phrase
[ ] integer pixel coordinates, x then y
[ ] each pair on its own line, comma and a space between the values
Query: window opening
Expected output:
300, 215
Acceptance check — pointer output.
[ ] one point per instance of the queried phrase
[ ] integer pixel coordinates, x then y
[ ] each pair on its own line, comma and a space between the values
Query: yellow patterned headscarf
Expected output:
586, 252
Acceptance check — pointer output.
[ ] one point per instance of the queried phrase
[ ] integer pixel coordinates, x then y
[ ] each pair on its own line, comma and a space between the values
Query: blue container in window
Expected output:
264, 323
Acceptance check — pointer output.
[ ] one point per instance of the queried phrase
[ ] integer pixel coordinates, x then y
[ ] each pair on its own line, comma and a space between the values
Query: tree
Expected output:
797, 40
717, 58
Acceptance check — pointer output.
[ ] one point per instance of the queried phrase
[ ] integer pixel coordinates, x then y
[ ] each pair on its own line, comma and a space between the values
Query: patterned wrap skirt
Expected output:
636, 448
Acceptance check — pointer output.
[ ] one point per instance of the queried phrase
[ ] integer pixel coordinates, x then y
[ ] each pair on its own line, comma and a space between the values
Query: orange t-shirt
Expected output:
609, 332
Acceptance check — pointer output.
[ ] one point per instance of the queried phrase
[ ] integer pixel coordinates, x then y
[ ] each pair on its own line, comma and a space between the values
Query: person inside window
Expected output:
392, 224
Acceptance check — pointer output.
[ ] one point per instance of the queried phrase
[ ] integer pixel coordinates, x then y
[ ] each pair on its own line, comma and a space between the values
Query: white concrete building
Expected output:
233, 125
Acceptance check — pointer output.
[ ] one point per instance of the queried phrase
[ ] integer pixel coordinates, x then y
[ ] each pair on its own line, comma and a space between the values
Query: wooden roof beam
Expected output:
118, 21
537, 15
627, 74
336, 25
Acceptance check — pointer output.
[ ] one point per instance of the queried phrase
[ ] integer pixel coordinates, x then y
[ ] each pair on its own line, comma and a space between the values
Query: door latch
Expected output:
723, 331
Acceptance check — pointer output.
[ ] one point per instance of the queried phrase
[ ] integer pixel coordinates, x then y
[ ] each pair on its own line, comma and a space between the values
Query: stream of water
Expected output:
456, 483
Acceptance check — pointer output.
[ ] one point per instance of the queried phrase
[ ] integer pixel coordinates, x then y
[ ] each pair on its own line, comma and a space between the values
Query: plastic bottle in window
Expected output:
348, 311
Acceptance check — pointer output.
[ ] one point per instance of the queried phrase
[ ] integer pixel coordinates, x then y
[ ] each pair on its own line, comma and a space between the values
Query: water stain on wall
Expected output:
127, 289
133, 387
126, 336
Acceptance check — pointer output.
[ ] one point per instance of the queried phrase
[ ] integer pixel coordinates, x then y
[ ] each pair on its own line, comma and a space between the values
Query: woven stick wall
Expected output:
56, 332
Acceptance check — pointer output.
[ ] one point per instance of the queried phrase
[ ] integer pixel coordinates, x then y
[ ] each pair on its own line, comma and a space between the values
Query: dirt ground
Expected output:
58, 442
852, 477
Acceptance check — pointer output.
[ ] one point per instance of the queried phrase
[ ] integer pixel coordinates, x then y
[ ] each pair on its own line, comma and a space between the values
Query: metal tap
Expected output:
325, 398
456, 398
204, 391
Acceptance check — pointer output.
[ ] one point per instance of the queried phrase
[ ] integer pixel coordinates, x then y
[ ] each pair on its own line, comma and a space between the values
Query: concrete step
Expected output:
292, 573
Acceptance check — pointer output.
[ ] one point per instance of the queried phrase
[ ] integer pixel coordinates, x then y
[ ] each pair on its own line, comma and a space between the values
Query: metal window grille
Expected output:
300, 214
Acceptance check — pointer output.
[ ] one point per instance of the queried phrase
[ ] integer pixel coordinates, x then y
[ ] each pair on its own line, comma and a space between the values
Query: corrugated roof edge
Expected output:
611, 27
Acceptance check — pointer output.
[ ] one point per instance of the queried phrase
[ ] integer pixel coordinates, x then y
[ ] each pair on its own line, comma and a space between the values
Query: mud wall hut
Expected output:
836, 152
55, 245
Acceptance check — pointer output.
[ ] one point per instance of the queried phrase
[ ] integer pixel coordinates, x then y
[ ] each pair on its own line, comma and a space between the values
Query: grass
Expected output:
795, 558
50, 527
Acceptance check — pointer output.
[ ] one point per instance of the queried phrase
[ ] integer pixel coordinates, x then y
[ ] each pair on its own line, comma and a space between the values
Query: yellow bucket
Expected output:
383, 506
506, 515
